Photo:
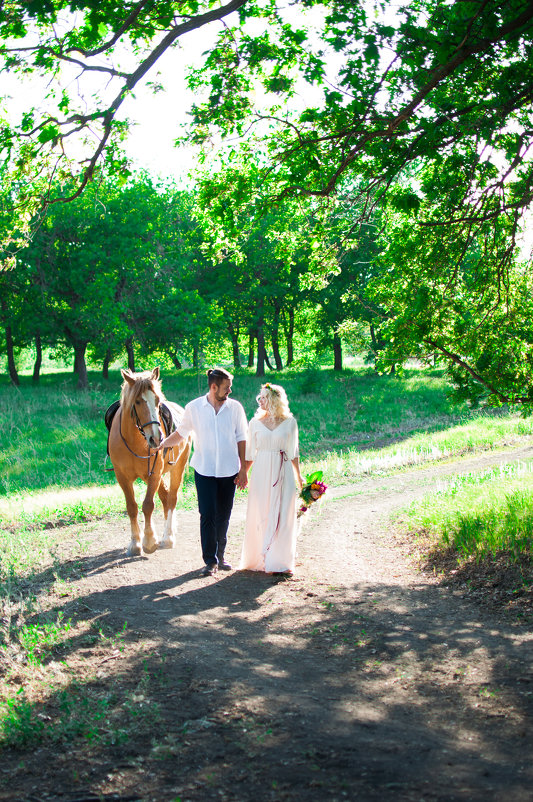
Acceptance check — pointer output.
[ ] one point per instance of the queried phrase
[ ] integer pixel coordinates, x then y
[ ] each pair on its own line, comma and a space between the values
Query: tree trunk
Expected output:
175, 360
80, 366
11, 358
261, 352
289, 337
337, 352
251, 340
38, 359
131, 355
373, 337
195, 356
275, 339
234, 334
105, 365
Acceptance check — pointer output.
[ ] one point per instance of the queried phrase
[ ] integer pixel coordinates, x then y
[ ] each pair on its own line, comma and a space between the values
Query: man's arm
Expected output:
241, 480
175, 438
172, 440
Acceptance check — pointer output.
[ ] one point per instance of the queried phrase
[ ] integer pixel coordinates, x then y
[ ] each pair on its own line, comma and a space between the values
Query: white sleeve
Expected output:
250, 442
292, 440
186, 425
241, 426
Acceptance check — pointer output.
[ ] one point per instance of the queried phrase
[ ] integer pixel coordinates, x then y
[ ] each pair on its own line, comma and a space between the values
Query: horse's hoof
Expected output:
149, 548
167, 544
133, 551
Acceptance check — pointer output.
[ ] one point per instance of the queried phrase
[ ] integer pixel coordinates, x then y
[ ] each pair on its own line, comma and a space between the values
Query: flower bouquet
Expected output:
312, 490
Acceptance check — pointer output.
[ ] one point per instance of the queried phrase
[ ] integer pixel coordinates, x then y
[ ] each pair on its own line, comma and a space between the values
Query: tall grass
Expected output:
480, 514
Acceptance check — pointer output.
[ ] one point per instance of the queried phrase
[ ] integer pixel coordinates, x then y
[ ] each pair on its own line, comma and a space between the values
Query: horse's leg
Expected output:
134, 549
177, 472
150, 542
168, 539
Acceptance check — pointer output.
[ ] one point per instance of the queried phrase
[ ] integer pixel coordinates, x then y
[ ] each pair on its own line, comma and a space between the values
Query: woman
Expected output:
272, 444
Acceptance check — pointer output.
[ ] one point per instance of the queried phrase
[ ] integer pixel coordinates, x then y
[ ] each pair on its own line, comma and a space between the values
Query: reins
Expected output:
141, 426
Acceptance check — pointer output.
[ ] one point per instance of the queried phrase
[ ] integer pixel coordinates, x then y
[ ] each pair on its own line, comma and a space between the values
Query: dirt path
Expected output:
361, 678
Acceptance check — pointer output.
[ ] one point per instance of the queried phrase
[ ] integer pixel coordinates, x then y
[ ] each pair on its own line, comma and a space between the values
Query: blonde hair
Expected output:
277, 403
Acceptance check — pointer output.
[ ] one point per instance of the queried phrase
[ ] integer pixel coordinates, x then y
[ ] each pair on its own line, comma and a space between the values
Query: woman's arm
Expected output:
296, 466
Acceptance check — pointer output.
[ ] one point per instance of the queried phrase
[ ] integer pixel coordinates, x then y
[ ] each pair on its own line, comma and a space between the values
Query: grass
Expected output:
53, 442
83, 710
480, 514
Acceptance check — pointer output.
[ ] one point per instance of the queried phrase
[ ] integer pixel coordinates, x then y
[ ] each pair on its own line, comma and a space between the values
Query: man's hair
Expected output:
217, 376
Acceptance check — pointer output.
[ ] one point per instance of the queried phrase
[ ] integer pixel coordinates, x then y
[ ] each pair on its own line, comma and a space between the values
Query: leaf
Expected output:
371, 53
314, 477
48, 133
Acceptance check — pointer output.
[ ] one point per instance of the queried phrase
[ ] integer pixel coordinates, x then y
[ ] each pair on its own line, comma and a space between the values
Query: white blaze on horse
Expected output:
137, 428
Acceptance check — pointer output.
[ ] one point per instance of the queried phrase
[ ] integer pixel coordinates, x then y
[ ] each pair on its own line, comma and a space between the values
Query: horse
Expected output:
136, 429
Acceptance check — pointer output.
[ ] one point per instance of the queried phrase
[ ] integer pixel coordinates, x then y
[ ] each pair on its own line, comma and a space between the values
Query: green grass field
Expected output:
54, 440
353, 423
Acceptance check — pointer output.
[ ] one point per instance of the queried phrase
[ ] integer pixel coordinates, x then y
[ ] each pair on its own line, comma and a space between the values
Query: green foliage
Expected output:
116, 265
421, 123
458, 294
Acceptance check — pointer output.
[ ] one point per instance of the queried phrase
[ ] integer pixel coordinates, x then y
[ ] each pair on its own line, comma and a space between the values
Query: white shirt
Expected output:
215, 435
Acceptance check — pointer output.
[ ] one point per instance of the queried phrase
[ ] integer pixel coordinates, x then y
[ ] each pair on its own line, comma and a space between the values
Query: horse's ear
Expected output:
155, 373
126, 375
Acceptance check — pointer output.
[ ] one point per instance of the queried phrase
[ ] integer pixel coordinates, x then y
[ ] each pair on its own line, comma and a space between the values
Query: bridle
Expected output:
141, 427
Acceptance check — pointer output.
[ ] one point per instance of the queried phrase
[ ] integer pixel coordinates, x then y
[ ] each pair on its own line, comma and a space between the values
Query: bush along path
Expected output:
363, 677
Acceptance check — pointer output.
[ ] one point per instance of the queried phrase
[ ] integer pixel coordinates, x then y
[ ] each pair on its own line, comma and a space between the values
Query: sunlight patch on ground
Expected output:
30, 503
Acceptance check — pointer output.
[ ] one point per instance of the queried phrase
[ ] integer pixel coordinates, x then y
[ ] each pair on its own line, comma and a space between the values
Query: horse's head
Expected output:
140, 397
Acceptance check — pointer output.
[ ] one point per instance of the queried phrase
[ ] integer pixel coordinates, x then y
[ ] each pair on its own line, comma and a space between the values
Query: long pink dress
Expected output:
271, 524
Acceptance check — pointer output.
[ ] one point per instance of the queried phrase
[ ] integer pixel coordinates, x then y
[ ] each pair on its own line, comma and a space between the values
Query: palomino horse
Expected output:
137, 429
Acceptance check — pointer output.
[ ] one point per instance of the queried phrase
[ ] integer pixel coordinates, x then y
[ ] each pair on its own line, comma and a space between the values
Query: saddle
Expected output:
169, 423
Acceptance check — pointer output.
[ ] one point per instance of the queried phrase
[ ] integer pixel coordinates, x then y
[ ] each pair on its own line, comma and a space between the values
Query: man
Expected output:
218, 426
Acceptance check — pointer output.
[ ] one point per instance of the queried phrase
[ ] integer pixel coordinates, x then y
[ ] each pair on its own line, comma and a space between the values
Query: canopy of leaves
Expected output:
420, 111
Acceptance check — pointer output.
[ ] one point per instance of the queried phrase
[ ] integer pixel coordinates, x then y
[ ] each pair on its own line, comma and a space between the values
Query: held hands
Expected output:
241, 480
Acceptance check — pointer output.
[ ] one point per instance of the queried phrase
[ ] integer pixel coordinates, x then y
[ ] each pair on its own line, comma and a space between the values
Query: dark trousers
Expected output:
215, 502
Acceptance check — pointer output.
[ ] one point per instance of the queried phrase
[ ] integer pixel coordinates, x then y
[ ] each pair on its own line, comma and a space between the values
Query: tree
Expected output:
257, 259
420, 87
68, 259
69, 135
412, 81
464, 296
415, 80
431, 115
99, 265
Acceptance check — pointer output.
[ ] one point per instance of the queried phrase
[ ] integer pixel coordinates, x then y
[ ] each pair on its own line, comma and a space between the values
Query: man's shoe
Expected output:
209, 570
223, 565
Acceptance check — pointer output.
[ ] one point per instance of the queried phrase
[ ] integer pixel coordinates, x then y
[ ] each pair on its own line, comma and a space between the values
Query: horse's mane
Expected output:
143, 381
